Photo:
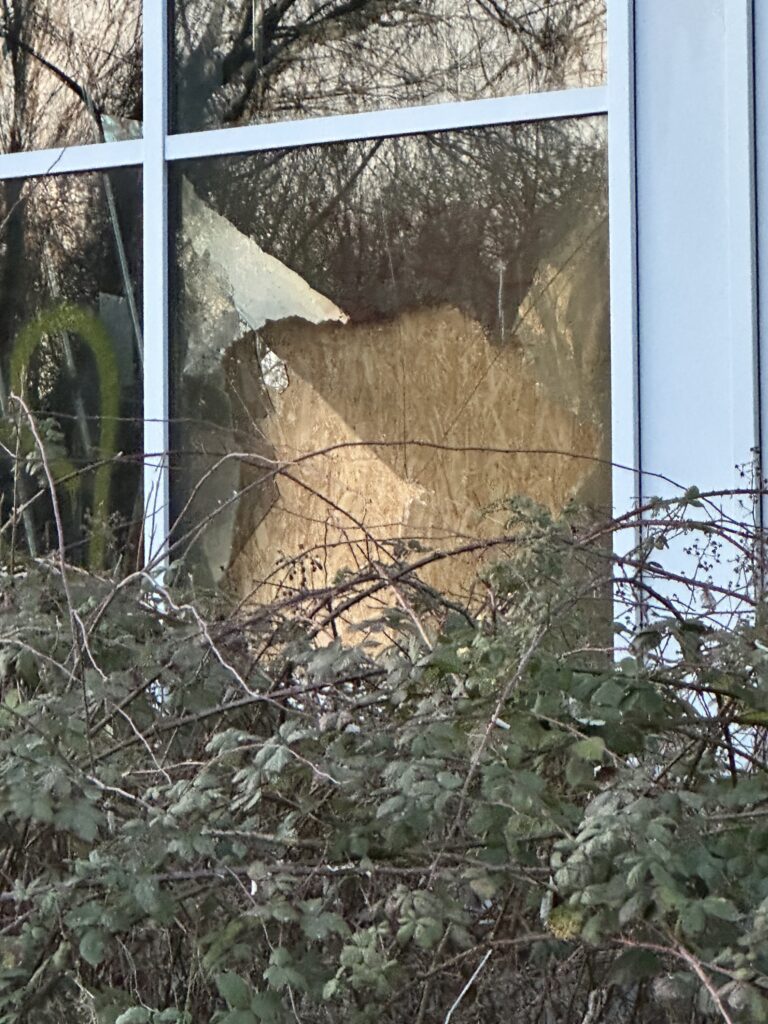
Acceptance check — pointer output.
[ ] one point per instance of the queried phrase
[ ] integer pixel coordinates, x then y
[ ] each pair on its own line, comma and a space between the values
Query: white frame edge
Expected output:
761, 202
742, 210
156, 289
622, 220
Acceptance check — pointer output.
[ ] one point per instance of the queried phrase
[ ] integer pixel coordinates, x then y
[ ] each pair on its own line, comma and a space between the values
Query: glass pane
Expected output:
70, 72
70, 345
430, 312
247, 61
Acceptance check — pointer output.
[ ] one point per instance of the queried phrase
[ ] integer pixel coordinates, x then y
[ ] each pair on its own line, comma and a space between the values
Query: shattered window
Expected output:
70, 72
241, 62
381, 344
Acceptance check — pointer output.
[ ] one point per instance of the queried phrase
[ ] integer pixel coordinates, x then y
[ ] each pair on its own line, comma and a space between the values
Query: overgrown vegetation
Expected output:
445, 812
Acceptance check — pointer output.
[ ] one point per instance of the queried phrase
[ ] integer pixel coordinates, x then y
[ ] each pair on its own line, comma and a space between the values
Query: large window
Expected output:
396, 255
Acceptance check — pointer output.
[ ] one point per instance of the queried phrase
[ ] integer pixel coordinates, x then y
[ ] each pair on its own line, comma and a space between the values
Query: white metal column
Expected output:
156, 365
625, 396
761, 157
696, 254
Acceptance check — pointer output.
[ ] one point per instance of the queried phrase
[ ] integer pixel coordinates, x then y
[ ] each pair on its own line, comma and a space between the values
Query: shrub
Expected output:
448, 812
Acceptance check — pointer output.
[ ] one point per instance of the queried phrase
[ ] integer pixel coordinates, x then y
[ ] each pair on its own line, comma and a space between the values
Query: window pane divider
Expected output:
543, 106
71, 159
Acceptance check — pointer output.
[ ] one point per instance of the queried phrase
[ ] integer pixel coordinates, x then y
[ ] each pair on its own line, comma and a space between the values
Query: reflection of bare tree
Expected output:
63, 63
243, 60
456, 217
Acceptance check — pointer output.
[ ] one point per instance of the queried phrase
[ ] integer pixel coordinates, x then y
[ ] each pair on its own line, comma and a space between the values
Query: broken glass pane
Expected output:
382, 343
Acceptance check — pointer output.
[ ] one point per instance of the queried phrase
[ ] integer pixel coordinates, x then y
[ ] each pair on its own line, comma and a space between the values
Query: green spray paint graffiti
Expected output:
86, 325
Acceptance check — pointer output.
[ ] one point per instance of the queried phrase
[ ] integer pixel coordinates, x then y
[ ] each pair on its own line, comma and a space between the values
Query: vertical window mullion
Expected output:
625, 356
156, 297
742, 254
761, 173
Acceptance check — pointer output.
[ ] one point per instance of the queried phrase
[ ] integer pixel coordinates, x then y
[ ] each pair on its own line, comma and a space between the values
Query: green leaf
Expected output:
234, 990
580, 774
758, 1007
319, 926
594, 930
610, 694
145, 892
449, 780
637, 874
633, 966
267, 1006
590, 749
692, 919
633, 908
82, 818
716, 906
330, 988
391, 806
428, 932
283, 911
281, 973
446, 659
136, 1015
483, 886
93, 946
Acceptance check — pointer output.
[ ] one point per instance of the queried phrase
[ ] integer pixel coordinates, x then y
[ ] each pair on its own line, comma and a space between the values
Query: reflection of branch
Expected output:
96, 113
79, 90
333, 203
63, 319
349, 18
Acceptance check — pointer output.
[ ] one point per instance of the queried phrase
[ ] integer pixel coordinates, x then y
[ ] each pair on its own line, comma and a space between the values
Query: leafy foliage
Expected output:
289, 814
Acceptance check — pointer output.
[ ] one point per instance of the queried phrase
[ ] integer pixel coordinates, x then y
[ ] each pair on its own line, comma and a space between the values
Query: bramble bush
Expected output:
499, 810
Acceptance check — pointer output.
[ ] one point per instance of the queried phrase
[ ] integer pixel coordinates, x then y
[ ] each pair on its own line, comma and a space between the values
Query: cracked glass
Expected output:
380, 345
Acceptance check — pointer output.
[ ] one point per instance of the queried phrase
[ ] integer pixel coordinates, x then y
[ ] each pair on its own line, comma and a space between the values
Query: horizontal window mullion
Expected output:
402, 121
438, 117
71, 159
